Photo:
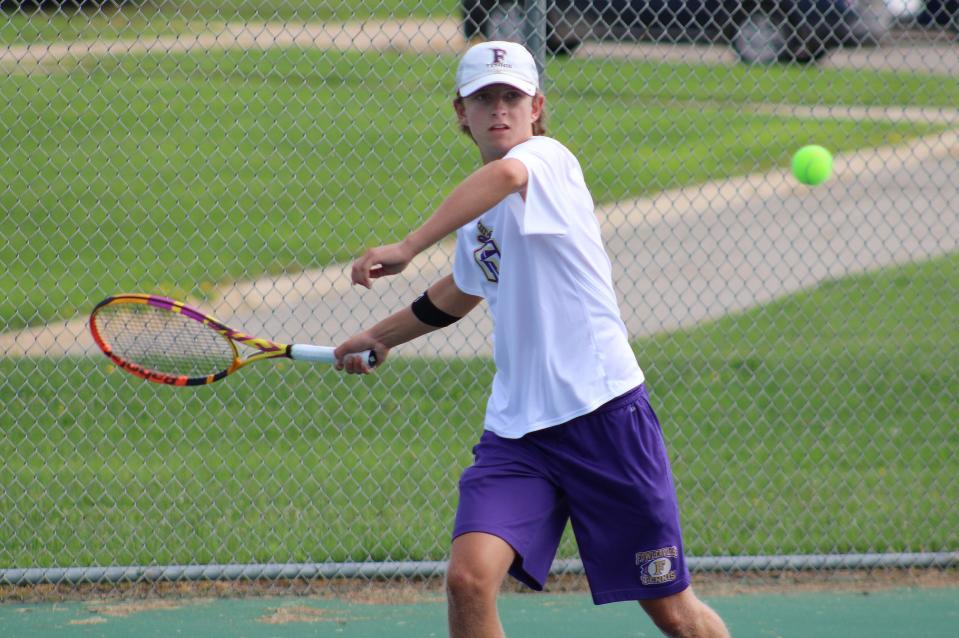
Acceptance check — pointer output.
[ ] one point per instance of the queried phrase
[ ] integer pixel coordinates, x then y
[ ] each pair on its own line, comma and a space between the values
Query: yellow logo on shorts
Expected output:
656, 566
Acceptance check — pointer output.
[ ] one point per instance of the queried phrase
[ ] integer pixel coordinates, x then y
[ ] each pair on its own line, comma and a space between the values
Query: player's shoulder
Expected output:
543, 142
546, 148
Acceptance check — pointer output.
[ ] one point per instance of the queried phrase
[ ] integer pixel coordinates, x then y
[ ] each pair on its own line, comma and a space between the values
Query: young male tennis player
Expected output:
569, 432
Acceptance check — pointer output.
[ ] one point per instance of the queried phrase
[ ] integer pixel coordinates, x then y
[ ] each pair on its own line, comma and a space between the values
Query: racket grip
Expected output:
324, 354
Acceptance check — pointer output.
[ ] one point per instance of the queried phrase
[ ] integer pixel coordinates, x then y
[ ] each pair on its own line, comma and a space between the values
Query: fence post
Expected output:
535, 34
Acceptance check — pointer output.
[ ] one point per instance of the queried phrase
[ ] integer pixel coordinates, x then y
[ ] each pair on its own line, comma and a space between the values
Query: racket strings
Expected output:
163, 341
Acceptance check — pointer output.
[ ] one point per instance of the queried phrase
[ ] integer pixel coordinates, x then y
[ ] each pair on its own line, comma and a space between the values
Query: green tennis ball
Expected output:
812, 165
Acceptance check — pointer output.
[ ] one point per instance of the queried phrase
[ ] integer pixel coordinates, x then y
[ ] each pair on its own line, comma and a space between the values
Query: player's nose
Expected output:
499, 104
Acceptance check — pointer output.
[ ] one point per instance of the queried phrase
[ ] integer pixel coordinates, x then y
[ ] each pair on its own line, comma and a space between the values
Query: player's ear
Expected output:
460, 107
539, 104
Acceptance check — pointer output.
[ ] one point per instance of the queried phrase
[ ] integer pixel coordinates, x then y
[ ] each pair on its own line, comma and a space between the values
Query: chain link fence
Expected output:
801, 344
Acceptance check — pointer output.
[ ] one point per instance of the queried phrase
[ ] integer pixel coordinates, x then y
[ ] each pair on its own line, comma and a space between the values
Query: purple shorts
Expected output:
609, 474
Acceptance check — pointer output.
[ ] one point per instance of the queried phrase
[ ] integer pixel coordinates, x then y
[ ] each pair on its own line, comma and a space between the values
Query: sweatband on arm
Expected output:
425, 311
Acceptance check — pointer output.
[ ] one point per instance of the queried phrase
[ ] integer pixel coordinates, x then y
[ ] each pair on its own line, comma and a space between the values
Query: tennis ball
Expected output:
812, 165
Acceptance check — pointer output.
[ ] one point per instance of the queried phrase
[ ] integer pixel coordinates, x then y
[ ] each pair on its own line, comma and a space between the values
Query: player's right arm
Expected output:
403, 326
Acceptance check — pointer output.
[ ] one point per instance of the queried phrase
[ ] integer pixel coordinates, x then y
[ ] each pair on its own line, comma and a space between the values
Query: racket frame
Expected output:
267, 349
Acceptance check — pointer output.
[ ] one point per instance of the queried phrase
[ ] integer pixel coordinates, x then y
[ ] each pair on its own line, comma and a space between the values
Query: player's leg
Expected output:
683, 615
478, 565
626, 516
616, 477
509, 519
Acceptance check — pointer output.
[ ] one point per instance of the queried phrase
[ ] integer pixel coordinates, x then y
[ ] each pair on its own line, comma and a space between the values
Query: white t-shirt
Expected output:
559, 343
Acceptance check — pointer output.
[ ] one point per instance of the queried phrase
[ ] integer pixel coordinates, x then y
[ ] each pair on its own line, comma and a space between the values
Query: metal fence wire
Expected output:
801, 344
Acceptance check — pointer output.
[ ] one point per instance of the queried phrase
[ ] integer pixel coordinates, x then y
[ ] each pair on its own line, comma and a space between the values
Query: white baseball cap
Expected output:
497, 62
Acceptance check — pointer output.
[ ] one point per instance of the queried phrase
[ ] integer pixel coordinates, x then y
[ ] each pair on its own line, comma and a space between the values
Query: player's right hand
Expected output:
380, 262
346, 361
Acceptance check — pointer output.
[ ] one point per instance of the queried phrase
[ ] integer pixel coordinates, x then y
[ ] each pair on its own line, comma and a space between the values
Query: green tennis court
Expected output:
929, 613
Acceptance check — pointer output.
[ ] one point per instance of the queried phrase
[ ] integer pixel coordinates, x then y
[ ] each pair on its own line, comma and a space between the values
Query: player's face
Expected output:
499, 117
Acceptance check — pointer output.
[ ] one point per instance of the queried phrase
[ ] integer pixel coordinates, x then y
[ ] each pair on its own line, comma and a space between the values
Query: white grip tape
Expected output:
319, 354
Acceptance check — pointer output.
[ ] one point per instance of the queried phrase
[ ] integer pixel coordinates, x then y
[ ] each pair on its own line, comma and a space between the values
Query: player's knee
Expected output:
678, 616
676, 625
464, 582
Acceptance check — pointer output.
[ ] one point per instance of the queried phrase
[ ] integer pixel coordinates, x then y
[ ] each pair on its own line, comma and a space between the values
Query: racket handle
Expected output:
324, 354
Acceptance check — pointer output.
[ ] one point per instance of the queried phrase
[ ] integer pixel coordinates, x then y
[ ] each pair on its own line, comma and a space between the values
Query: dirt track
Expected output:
438, 36
900, 51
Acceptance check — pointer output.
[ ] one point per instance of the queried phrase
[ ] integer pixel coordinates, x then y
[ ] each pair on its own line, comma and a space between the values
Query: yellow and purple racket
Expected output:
165, 341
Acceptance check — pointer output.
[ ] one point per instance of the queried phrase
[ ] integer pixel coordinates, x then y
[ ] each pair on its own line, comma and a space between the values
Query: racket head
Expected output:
163, 340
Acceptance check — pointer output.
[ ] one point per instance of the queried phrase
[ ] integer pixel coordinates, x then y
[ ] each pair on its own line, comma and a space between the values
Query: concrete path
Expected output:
680, 257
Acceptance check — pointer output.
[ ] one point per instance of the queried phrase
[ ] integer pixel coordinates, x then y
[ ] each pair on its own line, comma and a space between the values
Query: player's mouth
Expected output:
499, 127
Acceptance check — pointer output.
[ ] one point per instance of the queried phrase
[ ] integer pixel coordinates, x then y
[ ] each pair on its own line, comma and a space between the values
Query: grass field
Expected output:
822, 422
177, 173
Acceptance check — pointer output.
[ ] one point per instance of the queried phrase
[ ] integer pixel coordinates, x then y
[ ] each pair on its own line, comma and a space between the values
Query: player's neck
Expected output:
488, 155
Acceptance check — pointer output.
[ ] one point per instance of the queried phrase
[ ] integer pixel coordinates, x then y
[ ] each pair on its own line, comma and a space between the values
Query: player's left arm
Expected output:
476, 194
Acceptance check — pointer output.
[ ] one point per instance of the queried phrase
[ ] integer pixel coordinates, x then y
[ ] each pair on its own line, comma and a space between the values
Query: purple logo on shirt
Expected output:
487, 255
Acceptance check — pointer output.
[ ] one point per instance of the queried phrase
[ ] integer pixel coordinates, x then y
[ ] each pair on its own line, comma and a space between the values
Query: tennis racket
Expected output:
165, 341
